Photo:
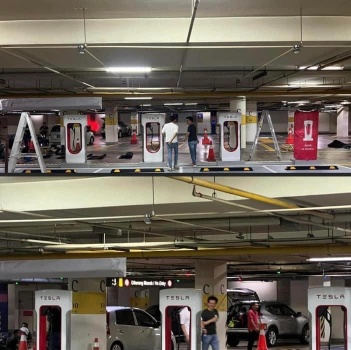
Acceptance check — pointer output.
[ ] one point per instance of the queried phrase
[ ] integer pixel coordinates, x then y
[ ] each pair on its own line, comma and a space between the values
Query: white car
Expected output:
131, 328
55, 136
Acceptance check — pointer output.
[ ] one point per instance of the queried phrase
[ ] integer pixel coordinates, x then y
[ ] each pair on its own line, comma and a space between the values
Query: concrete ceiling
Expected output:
246, 233
231, 42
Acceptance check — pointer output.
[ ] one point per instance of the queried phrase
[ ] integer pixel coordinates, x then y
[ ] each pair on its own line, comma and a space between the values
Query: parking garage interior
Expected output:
263, 221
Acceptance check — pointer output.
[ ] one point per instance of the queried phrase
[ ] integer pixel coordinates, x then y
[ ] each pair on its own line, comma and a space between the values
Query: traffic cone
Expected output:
262, 344
23, 342
205, 139
96, 344
290, 139
211, 156
134, 139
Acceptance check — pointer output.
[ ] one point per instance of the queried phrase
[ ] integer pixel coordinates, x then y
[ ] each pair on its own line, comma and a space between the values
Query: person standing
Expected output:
170, 130
184, 316
191, 136
253, 324
209, 318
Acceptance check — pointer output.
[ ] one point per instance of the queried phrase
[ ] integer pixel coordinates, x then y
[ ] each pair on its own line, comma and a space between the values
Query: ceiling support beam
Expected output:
317, 250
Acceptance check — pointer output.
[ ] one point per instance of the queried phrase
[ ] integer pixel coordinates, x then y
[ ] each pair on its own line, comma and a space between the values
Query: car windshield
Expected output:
55, 128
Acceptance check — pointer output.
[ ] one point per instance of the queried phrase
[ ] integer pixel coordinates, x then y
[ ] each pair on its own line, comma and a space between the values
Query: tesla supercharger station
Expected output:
229, 140
324, 305
181, 297
75, 138
67, 320
152, 137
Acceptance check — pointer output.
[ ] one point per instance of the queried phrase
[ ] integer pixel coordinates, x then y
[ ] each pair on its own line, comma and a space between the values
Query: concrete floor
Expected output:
264, 159
282, 345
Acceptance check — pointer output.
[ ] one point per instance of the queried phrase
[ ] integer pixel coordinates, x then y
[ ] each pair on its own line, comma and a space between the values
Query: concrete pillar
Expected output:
291, 121
111, 126
251, 120
342, 127
240, 106
88, 309
211, 278
135, 122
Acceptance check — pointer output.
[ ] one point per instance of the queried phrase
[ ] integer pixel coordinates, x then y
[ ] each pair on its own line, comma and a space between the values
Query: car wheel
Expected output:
91, 141
305, 336
272, 336
116, 346
232, 341
119, 134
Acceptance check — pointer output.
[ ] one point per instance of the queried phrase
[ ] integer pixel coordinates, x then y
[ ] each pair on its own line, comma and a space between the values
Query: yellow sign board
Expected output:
87, 303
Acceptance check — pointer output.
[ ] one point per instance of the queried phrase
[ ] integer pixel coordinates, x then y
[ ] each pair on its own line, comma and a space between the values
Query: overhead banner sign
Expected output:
306, 135
130, 282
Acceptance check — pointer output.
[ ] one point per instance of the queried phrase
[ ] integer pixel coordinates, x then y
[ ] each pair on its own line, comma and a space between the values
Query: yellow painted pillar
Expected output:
251, 120
211, 278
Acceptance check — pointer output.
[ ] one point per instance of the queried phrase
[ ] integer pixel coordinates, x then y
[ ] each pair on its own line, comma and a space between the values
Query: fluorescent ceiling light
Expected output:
190, 104
103, 88
333, 68
138, 98
128, 69
174, 104
302, 86
341, 258
146, 105
324, 68
308, 68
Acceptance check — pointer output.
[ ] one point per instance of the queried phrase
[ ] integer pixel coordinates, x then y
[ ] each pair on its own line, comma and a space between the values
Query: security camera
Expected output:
81, 48
147, 219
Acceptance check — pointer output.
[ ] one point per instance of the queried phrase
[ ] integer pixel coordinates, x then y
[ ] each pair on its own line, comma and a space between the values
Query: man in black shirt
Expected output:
209, 317
191, 136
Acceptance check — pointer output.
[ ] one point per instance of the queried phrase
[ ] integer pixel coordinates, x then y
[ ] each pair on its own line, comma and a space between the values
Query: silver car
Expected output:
281, 321
132, 329
55, 135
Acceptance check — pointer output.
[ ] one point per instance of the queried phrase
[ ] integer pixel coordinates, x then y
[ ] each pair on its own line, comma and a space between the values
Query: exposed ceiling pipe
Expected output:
16, 233
28, 240
99, 246
45, 67
249, 195
235, 191
267, 63
196, 225
288, 218
300, 250
196, 4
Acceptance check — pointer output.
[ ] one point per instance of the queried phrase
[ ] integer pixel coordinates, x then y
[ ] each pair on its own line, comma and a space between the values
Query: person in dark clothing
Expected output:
54, 317
13, 341
209, 317
191, 136
43, 130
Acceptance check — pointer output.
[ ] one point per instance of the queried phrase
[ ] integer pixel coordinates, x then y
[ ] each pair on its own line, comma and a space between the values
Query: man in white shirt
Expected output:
170, 130
184, 316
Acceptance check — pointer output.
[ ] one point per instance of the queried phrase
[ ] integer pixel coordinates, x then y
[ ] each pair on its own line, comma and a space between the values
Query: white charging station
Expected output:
76, 143
181, 297
322, 303
229, 140
152, 137
67, 321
